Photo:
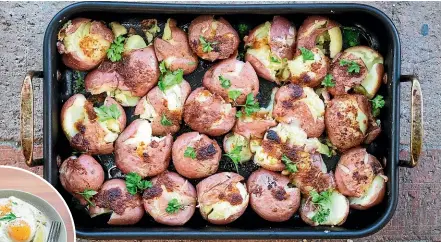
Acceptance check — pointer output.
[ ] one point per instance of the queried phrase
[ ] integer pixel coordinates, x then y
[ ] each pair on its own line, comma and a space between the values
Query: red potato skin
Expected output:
246, 81
146, 160
80, 173
341, 132
310, 175
319, 68
156, 98
225, 35
307, 38
127, 209
90, 139
103, 79
74, 60
343, 79
255, 128
375, 202
207, 159
281, 30
218, 187
361, 174
288, 107
140, 71
172, 183
200, 116
178, 48
269, 197
137, 72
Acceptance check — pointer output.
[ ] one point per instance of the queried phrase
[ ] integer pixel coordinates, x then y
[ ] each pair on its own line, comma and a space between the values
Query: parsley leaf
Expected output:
322, 201
289, 164
328, 81
243, 29
377, 103
225, 83
353, 66
306, 54
274, 59
234, 94
134, 183
114, 53
235, 156
173, 206
105, 113
165, 121
251, 106
206, 45
87, 195
169, 78
8, 217
79, 86
190, 152
351, 37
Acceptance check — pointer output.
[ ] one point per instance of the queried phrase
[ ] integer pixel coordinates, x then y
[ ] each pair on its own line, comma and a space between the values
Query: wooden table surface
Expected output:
18, 179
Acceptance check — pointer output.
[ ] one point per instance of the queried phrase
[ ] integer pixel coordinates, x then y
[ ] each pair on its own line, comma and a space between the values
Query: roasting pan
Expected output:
380, 34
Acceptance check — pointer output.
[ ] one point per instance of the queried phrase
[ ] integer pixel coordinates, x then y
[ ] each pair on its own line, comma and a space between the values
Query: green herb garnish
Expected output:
251, 106
165, 121
169, 78
274, 59
225, 83
353, 66
234, 94
105, 113
87, 195
377, 103
190, 152
328, 81
289, 164
351, 37
173, 206
235, 156
8, 217
135, 183
206, 45
306, 54
243, 29
114, 53
322, 201
79, 82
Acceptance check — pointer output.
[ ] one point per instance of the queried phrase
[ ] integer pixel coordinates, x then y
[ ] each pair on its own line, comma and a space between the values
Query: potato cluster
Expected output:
325, 104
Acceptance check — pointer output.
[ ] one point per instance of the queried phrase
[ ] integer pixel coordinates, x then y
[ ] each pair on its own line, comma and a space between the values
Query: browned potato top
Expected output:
345, 80
221, 39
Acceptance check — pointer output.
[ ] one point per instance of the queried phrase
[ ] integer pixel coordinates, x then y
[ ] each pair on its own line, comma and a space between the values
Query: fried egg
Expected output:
21, 222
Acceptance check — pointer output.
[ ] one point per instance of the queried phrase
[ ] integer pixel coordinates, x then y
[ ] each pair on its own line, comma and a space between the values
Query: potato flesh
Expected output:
298, 66
149, 111
223, 210
336, 41
235, 140
143, 135
315, 104
118, 29
134, 42
73, 115
371, 193
125, 98
173, 95
167, 35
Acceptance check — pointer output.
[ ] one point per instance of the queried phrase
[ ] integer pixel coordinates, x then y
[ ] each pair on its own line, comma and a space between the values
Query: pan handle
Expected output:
416, 132
27, 119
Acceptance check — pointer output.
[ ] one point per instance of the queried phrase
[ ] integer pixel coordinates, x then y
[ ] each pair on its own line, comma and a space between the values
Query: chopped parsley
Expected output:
306, 54
114, 53
87, 195
169, 78
206, 45
105, 113
173, 206
225, 83
322, 201
377, 103
289, 164
235, 156
353, 66
8, 217
135, 183
251, 106
351, 37
190, 152
274, 59
165, 121
328, 81
234, 94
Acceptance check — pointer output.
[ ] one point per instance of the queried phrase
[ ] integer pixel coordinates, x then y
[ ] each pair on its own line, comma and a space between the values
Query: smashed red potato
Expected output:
327, 107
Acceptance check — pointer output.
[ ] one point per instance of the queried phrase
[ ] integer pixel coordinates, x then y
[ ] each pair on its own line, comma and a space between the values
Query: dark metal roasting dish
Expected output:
379, 32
